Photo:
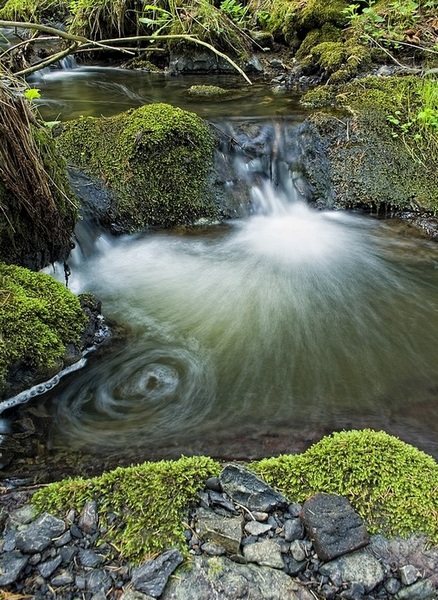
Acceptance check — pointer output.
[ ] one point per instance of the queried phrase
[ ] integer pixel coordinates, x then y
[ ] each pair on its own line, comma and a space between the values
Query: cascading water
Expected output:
288, 319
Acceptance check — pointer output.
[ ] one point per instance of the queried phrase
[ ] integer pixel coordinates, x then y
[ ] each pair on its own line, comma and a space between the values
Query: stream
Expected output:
252, 337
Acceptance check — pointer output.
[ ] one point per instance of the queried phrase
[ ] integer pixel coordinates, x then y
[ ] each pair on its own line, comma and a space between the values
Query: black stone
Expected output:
39, 534
11, 566
333, 526
152, 576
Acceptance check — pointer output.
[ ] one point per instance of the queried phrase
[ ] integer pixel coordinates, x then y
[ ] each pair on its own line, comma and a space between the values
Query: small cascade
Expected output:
68, 63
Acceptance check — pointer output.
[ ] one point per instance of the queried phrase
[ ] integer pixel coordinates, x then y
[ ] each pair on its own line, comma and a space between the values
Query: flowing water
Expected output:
287, 320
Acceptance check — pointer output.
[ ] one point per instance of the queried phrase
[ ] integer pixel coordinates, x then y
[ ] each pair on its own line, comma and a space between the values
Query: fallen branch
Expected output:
82, 44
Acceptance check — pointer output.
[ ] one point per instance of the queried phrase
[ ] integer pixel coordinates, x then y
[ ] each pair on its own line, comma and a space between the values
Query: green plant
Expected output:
235, 11
32, 94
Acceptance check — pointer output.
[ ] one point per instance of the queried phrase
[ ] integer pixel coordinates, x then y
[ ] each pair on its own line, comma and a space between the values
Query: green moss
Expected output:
99, 19
207, 91
38, 318
151, 501
319, 97
35, 10
155, 158
392, 485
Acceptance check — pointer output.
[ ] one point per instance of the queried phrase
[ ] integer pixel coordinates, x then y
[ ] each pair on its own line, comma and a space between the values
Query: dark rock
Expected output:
355, 591
11, 565
214, 484
9, 541
38, 535
333, 526
293, 530
96, 581
63, 578
64, 539
88, 519
392, 585
151, 577
49, 566
67, 553
217, 499
89, 559
247, 489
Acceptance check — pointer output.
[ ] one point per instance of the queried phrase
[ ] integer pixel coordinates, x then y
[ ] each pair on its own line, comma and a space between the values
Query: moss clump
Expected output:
155, 160
151, 501
391, 484
207, 91
99, 19
38, 318
35, 10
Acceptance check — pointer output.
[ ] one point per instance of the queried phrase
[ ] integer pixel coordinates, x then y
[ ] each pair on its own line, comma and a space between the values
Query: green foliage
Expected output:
235, 11
34, 10
392, 485
151, 501
156, 158
38, 317
99, 19
32, 94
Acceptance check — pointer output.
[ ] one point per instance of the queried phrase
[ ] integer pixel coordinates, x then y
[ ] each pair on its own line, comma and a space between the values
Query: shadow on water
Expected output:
252, 338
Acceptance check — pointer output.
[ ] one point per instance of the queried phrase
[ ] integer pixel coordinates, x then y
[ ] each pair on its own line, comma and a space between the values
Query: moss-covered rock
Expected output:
154, 159
39, 317
390, 483
383, 149
150, 500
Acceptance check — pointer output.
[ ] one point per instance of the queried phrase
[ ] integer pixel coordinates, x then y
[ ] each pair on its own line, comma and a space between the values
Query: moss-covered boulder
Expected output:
39, 319
382, 147
154, 160
390, 483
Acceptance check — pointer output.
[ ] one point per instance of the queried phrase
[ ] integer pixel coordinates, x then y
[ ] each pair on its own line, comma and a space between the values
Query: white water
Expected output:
291, 318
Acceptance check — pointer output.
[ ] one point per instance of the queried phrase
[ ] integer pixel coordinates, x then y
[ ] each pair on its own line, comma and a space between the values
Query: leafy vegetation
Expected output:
392, 485
38, 318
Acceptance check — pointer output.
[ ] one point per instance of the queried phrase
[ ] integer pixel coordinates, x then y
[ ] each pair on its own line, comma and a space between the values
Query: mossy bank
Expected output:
391, 484
381, 143
154, 161
39, 319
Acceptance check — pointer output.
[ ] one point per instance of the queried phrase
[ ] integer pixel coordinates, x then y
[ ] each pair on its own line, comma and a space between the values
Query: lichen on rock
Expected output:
154, 160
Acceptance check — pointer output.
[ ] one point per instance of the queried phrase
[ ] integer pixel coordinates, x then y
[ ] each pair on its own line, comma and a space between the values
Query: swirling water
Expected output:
291, 318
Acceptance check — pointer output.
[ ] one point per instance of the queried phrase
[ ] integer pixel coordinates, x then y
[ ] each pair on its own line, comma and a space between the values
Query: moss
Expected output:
151, 501
99, 19
155, 159
392, 485
38, 318
207, 91
35, 10
384, 148
319, 97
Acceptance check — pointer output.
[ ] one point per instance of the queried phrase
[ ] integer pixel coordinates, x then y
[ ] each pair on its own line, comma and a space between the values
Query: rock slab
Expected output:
151, 577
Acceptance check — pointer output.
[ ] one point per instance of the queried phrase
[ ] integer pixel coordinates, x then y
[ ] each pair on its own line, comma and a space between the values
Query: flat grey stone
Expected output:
297, 551
152, 576
224, 531
39, 534
247, 489
11, 565
256, 528
333, 526
219, 578
421, 590
266, 553
358, 567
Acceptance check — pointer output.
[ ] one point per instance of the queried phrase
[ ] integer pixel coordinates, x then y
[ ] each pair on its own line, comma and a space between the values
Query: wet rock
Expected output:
11, 565
267, 553
333, 526
151, 577
225, 531
39, 534
247, 489
358, 567
222, 579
